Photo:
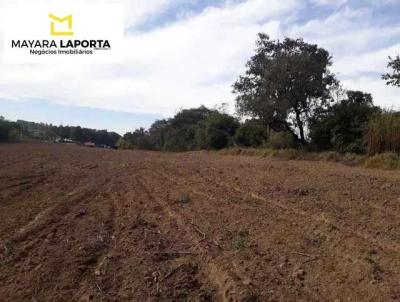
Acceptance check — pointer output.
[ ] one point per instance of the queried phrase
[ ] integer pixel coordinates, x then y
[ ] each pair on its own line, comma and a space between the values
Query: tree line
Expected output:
288, 98
11, 131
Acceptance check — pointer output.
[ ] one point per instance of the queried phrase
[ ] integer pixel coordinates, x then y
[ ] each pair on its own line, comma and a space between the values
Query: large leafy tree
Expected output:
394, 77
285, 82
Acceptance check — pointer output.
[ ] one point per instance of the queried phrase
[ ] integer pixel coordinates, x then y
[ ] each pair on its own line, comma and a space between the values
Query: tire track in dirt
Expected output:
88, 286
148, 248
360, 206
23, 186
27, 245
228, 288
224, 272
287, 173
221, 274
167, 249
384, 244
48, 216
320, 221
91, 287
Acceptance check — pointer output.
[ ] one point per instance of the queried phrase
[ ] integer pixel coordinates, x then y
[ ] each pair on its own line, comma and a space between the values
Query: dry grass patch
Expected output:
389, 161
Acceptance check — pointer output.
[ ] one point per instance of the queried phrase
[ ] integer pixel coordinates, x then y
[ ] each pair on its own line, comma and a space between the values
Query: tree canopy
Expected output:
190, 129
9, 131
284, 83
342, 126
394, 77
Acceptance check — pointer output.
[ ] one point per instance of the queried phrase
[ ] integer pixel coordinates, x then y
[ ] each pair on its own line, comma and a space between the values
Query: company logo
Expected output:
52, 34
67, 19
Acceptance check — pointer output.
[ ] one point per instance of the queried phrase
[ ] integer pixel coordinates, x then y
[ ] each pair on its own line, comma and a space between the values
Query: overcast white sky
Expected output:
184, 53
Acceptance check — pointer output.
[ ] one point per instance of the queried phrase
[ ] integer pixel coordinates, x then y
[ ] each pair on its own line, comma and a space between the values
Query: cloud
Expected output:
360, 48
388, 96
190, 62
371, 62
195, 58
335, 3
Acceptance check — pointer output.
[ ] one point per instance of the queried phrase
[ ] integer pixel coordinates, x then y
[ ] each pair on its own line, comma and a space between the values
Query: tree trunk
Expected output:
301, 128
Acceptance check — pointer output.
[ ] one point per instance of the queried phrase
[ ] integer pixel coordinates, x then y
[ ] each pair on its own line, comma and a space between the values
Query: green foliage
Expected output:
251, 134
285, 82
182, 131
189, 129
139, 139
178, 139
394, 77
342, 126
384, 133
123, 144
220, 129
37, 130
239, 241
281, 140
9, 131
78, 134
157, 133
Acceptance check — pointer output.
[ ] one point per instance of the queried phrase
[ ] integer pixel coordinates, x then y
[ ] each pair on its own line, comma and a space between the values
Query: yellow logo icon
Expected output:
55, 32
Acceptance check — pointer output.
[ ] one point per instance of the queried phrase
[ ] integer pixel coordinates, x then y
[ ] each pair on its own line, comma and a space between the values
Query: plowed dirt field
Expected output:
81, 224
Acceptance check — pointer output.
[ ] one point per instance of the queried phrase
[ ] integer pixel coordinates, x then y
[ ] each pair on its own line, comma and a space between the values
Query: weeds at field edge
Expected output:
386, 161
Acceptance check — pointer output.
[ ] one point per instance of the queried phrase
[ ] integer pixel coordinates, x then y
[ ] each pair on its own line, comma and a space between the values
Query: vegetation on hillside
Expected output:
287, 99
285, 82
23, 129
190, 129
9, 131
341, 127
384, 133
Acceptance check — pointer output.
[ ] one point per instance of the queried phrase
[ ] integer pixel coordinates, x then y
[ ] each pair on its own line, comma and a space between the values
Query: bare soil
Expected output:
81, 224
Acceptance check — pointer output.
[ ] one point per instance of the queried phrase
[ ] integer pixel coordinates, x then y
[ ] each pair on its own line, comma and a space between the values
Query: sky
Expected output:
185, 53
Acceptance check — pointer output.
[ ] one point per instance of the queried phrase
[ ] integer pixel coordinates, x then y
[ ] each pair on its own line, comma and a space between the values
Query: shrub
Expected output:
384, 133
251, 134
287, 154
251, 152
123, 144
185, 197
330, 156
281, 140
8, 131
352, 159
231, 151
219, 131
239, 241
342, 126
